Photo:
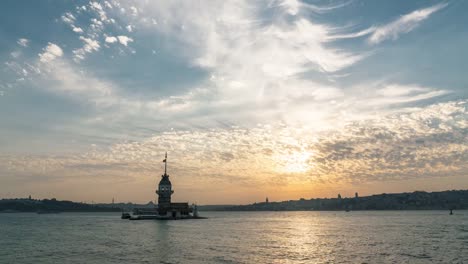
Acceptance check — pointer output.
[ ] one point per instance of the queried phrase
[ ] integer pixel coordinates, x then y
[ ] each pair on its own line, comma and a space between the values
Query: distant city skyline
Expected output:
250, 99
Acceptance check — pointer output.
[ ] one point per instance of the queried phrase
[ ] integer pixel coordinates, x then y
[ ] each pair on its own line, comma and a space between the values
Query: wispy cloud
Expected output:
90, 45
394, 29
294, 6
404, 24
63, 78
68, 18
252, 68
23, 42
219, 32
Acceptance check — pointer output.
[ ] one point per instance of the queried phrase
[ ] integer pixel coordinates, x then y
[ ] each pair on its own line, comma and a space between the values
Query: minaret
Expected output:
164, 191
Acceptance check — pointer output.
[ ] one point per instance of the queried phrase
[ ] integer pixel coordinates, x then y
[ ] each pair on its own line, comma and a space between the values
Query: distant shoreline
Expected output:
49, 206
415, 201
245, 211
419, 200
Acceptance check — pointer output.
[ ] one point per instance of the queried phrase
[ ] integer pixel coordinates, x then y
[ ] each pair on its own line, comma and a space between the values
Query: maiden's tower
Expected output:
165, 209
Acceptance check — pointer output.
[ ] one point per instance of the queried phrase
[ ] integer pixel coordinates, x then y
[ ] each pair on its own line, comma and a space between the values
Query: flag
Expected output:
164, 160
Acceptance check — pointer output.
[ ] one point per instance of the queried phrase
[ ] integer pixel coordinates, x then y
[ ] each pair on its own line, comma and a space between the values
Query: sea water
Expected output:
238, 237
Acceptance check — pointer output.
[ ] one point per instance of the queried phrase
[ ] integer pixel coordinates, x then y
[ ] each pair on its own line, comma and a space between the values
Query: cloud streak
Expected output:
23, 42
392, 31
403, 25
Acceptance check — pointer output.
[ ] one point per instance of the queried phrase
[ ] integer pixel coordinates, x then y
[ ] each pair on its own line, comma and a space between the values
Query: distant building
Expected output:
356, 195
266, 200
339, 196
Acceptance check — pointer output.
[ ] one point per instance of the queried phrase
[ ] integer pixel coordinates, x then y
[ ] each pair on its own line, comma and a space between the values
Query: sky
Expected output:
251, 99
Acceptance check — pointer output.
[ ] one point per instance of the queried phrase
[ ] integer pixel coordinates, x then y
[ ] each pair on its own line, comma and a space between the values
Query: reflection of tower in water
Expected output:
160, 244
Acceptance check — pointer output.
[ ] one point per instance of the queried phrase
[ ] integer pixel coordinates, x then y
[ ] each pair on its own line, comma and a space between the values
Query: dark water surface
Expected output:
238, 237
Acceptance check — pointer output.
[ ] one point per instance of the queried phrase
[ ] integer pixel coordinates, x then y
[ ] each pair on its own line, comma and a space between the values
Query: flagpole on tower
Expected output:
165, 164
